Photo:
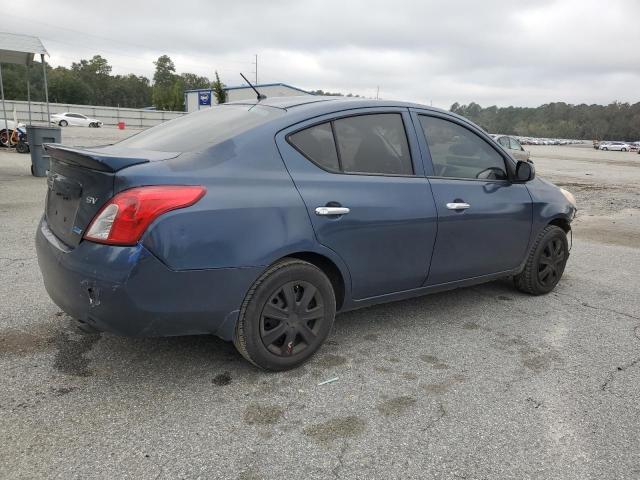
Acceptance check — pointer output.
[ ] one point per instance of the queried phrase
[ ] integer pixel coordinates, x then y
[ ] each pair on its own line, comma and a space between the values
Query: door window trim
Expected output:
509, 165
337, 116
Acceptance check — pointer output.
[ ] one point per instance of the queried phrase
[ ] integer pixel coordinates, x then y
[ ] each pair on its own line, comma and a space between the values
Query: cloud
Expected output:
501, 52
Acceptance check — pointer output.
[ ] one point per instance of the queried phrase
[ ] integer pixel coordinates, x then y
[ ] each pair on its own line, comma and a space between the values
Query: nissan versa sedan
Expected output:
259, 221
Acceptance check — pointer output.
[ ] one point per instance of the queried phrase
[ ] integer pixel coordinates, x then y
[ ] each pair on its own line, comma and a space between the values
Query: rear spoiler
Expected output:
105, 159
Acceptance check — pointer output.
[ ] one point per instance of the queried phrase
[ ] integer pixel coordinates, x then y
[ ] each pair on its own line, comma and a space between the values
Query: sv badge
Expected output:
91, 200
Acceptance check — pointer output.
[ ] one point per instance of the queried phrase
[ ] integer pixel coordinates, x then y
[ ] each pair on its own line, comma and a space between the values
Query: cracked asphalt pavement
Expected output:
483, 382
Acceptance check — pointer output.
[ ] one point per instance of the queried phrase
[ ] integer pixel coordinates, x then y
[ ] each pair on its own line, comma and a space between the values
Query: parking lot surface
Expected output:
483, 382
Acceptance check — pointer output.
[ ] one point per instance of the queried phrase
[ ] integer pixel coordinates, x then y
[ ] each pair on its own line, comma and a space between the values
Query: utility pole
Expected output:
256, 69
378, 92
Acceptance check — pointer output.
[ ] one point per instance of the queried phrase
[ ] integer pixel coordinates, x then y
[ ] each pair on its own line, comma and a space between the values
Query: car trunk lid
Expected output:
80, 181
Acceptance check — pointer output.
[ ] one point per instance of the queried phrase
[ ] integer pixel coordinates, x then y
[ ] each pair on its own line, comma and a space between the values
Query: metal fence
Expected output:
133, 117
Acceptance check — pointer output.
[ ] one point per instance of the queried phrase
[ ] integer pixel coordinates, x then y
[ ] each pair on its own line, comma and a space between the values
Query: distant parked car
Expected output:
271, 216
617, 146
514, 147
76, 119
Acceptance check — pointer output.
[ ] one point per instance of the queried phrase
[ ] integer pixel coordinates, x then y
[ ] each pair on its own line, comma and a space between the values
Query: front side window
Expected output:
459, 153
370, 144
515, 144
504, 141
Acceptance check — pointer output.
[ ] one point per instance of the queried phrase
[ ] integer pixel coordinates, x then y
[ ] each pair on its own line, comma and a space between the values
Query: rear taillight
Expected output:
124, 218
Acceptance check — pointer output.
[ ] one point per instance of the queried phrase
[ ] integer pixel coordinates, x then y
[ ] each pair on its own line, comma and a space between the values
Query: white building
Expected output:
204, 98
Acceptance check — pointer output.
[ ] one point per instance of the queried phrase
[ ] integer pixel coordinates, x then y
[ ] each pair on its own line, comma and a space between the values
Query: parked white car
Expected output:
76, 119
617, 146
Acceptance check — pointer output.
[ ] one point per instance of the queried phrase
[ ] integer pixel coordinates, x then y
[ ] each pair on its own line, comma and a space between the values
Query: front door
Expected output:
361, 179
484, 219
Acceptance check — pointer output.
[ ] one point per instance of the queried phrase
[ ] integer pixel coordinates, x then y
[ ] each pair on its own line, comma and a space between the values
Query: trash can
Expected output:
121, 125
37, 136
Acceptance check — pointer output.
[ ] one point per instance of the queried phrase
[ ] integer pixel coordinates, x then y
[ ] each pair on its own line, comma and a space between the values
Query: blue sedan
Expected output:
259, 221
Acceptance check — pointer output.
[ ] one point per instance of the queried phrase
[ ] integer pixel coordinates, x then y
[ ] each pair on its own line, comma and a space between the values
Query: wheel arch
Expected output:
329, 268
561, 222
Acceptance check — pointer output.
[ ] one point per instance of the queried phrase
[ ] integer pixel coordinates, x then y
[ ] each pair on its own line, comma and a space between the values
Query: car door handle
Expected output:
458, 206
332, 211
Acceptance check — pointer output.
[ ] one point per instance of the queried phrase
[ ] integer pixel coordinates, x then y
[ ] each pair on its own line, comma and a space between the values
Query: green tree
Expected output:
96, 74
191, 81
65, 86
218, 90
164, 79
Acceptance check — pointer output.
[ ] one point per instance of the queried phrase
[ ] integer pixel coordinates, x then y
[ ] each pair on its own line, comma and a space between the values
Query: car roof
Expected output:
313, 105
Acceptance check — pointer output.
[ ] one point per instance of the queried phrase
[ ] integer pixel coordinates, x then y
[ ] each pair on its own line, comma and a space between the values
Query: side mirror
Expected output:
525, 171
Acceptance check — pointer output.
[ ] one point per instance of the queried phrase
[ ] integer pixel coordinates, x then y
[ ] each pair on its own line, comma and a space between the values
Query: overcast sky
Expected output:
503, 52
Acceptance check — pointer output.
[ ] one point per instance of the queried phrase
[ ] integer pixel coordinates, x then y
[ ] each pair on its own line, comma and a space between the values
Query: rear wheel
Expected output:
286, 316
22, 147
63, 123
545, 263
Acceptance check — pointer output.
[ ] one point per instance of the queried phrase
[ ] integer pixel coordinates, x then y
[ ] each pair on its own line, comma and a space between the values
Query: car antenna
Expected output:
258, 94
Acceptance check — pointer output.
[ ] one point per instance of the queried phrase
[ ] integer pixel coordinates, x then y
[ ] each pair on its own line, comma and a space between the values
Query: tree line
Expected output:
90, 82
616, 121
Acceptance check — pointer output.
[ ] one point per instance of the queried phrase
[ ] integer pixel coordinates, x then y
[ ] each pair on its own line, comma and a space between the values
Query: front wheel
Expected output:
545, 262
286, 315
623, 149
63, 123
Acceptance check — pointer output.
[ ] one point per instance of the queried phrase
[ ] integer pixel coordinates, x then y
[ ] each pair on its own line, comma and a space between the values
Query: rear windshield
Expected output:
199, 130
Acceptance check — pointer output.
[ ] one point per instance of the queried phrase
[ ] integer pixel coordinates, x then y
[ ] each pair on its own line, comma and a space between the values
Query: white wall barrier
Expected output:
133, 117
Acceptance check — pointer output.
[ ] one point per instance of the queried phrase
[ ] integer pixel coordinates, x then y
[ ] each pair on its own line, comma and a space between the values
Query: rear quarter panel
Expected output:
250, 216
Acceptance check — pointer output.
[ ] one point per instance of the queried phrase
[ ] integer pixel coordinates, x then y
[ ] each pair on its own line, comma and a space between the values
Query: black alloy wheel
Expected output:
551, 262
286, 315
290, 320
545, 262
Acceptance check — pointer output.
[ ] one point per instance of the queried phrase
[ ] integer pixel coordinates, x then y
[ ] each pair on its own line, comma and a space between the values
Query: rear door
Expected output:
484, 219
360, 176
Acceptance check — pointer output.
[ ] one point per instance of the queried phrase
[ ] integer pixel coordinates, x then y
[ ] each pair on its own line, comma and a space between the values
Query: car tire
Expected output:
22, 147
92, 125
545, 262
605, 148
63, 123
623, 149
4, 137
286, 315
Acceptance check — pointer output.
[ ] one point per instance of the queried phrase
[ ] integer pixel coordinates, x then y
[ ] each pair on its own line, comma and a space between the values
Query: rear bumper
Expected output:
128, 291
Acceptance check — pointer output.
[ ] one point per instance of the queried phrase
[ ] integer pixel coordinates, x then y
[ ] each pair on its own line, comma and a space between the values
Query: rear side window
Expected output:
318, 145
368, 144
200, 130
373, 144
459, 153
